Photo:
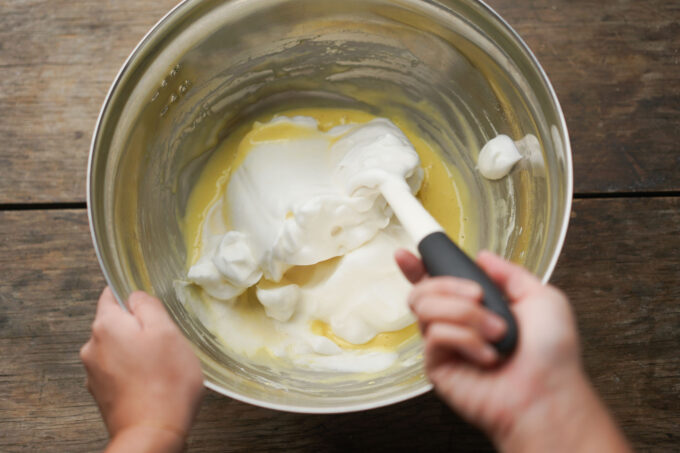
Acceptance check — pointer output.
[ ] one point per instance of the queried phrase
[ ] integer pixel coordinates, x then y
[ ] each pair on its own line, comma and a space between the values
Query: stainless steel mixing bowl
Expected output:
457, 71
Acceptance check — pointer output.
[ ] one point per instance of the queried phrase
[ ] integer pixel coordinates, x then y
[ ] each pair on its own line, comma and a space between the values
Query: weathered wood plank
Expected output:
57, 61
623, 285
616, 69
48, 292
621, 269
615, 66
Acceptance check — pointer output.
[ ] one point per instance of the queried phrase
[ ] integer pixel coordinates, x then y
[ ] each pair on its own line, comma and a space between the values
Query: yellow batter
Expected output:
441, 193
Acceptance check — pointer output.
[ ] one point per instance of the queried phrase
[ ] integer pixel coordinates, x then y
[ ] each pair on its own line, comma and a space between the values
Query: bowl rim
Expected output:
353, 407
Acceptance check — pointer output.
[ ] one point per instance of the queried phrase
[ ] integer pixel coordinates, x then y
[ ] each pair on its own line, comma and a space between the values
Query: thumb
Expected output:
107, 305
147, 309
515, 281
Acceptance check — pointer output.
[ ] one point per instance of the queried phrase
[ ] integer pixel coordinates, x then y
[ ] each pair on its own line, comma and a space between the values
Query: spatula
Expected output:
441, 256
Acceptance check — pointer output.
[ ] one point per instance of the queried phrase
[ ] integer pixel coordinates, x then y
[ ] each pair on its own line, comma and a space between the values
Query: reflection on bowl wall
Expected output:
453, 68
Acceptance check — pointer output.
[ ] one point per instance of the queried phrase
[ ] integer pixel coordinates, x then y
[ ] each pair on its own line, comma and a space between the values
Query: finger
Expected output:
111, 318
148, 310
446, 286
86, 352
515, 281
107, 305
411, 266
440, 364
452, 310
466, 342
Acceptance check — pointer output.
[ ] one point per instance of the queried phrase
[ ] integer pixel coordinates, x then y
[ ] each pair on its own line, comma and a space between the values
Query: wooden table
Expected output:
616, 69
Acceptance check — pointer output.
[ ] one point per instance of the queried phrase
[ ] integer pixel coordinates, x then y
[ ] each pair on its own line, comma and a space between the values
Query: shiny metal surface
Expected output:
454, 68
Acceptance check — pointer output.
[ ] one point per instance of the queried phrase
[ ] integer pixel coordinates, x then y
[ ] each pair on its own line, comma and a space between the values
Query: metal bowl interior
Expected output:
453, 68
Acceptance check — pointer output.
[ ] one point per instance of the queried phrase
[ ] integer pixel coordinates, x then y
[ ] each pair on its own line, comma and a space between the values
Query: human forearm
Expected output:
574, 419
146, 439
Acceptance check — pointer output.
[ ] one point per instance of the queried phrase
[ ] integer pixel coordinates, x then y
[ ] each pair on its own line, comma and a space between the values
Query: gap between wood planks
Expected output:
42, 206
577, 196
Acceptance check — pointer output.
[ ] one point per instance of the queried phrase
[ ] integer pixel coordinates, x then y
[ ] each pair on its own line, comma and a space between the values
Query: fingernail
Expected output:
493, 326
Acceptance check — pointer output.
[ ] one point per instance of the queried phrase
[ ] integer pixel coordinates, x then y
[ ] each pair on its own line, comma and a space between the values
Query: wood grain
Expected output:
623, 286
57, 61
48, 292
615, 67
621, 270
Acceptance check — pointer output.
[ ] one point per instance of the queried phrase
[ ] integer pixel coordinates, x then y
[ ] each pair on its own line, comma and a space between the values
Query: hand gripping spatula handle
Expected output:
441, 256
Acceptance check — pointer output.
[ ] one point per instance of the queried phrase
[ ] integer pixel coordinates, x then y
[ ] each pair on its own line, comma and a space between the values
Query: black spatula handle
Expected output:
441, 256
